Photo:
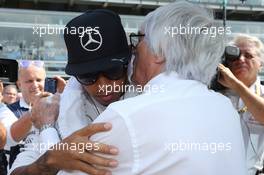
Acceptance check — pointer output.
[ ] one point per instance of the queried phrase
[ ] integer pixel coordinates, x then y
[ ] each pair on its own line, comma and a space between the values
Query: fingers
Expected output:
61, 83
44, 94
94, 128
97, 160
221, 67
39, 96
59, 79
89, 169
55, 99
105, 149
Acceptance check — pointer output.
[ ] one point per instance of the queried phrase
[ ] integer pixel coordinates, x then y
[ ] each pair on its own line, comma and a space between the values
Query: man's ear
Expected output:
261, 65
18, 84
159, 59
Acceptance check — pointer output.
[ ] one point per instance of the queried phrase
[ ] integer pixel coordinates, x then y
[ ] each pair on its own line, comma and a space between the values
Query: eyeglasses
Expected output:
114, 73
135, 39
27, 63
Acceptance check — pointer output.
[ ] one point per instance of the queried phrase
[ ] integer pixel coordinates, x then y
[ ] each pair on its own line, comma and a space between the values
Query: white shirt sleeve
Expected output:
119, 137
8, 118
35, 146
29, 153
24, 158
48, 138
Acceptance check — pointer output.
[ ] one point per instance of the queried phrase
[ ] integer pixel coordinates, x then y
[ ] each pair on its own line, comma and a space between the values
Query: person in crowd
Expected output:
247, 95
86, 95
31, 79
18, 123
9, 94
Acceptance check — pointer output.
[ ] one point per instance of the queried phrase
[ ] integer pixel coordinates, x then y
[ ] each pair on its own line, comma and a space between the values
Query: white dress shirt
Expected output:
7, 118
148, 128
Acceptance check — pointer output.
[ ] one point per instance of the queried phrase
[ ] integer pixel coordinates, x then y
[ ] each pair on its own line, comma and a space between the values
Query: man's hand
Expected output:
45, 109
83, 158
61, 83
2, 136
227, 78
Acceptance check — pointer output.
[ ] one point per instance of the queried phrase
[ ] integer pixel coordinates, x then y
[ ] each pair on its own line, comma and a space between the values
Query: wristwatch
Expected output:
46, 126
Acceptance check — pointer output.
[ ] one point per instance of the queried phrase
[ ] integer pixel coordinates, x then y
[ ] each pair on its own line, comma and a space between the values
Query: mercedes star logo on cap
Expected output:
91, 39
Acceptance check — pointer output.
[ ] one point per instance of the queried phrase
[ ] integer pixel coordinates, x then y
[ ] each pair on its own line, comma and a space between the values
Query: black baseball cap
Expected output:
95, 41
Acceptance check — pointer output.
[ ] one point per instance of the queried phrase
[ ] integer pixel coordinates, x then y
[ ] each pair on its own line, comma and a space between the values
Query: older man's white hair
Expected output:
194, 55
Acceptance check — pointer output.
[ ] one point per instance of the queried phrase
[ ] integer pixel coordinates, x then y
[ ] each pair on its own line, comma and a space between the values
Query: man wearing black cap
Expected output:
98, 56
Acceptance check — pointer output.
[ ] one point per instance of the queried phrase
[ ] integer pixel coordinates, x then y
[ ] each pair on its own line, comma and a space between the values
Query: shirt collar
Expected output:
163, 78
23, 103
256, 83
164, 81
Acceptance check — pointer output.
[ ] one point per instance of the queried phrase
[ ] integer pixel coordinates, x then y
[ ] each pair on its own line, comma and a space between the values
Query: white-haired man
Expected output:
184, 111
246, 94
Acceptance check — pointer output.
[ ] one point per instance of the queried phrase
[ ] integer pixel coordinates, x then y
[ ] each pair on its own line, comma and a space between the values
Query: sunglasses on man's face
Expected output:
135, 39
114, 73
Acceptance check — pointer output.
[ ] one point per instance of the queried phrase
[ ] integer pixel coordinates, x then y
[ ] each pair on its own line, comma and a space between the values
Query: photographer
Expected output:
246, 93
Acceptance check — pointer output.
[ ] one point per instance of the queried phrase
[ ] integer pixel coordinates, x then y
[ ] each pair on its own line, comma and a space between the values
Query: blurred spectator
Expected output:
31, 79
9, 94
31, 76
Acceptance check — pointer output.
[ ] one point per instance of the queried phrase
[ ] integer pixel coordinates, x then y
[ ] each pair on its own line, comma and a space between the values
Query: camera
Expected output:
8, 71
50, 85
232, 53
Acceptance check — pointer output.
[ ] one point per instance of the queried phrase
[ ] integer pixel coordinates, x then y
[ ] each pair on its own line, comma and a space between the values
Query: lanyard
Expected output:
245, 109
